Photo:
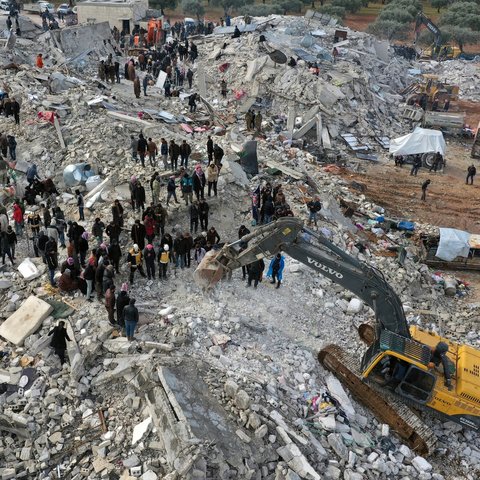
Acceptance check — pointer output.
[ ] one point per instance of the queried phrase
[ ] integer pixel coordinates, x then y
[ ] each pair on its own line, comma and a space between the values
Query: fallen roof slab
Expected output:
25, 321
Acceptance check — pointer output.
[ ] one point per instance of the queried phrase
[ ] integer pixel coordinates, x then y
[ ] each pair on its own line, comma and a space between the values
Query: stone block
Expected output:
25, 321
261, 431
421, 465
336, 442
231, 388
242, 400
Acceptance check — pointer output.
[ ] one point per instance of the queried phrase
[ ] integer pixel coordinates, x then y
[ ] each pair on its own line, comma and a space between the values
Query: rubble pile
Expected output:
224, 385
458, 72
356, 94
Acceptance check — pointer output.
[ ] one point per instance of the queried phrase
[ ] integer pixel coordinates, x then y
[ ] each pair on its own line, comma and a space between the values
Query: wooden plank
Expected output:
319, 129
59, 132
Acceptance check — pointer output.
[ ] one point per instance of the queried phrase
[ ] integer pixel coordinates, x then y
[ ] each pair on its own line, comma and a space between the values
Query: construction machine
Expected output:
400, 366
437, 50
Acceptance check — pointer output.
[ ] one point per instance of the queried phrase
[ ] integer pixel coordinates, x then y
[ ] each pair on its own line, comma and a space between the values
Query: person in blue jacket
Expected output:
275, 269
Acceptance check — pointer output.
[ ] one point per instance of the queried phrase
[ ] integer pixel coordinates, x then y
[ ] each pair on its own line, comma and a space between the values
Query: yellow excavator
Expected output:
403, 365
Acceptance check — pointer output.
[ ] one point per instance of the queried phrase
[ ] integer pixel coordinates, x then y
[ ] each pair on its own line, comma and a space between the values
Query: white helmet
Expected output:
166, 248
135, 247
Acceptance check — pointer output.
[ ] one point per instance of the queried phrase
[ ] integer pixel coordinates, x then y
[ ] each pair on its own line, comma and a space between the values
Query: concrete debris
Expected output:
224, 385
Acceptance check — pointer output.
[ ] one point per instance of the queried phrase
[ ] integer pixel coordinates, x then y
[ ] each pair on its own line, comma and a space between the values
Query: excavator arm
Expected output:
315, 251
422, 19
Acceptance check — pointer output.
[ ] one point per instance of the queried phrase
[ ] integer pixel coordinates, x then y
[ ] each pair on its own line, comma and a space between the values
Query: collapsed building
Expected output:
227, 384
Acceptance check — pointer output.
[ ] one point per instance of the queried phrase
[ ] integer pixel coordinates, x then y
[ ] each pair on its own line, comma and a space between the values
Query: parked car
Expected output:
49, 7
64, 9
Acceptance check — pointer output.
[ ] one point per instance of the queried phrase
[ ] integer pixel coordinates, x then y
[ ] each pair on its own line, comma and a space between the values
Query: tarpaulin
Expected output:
248, 158
421, 140
453, 243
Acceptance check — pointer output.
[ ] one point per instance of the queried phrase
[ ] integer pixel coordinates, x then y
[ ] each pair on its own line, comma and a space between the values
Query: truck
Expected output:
399, 367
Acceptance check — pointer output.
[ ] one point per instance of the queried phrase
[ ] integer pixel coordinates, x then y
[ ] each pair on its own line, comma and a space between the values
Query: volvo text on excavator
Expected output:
402, 365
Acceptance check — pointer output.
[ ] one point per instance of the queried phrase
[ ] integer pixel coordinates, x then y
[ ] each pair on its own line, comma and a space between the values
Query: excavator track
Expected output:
384, 405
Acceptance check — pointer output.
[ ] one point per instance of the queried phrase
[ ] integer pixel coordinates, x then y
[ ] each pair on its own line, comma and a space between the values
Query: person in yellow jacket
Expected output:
163, 260
135, 261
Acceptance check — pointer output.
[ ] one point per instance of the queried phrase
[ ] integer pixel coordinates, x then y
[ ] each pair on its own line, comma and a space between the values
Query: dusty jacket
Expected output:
212, 173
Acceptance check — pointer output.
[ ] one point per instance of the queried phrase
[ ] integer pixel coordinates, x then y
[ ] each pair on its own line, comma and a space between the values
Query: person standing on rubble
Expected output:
192, 102
135, 262
122, 301
255, 272
130, 316
174, 152
164, 153
138, 234
59, 340
110, 303
89, 277
203, 210
212, 178
314, 206
425, 185
150, 255
146, 80
190, 78
117, 214
185, 151
210, 149
80, 205
142, 148
258, 122
275, 269
199, 181
132, 186
101, 70
471, 172
152, 151
249, 120
16, 111
223, 88
134, 147
136, 87
186, 184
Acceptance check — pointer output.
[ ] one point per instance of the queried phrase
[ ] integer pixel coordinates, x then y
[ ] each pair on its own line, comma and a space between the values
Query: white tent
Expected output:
421, 140
453, 243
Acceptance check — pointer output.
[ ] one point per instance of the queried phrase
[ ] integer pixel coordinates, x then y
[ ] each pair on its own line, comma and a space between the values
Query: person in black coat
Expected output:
138, 234
122, 301
115, 254
140, 196
242, 231
113, 231
117, 213
255, 271
59, 337
210, 149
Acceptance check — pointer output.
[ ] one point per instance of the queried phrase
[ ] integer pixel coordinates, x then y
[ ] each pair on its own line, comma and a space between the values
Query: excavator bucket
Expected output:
209, 272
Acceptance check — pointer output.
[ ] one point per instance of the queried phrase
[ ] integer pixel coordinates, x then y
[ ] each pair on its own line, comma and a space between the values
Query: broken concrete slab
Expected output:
25, 321
141, 430
28, 270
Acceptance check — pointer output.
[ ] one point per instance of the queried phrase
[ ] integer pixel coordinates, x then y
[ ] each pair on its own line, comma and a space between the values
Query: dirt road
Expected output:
450, 203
